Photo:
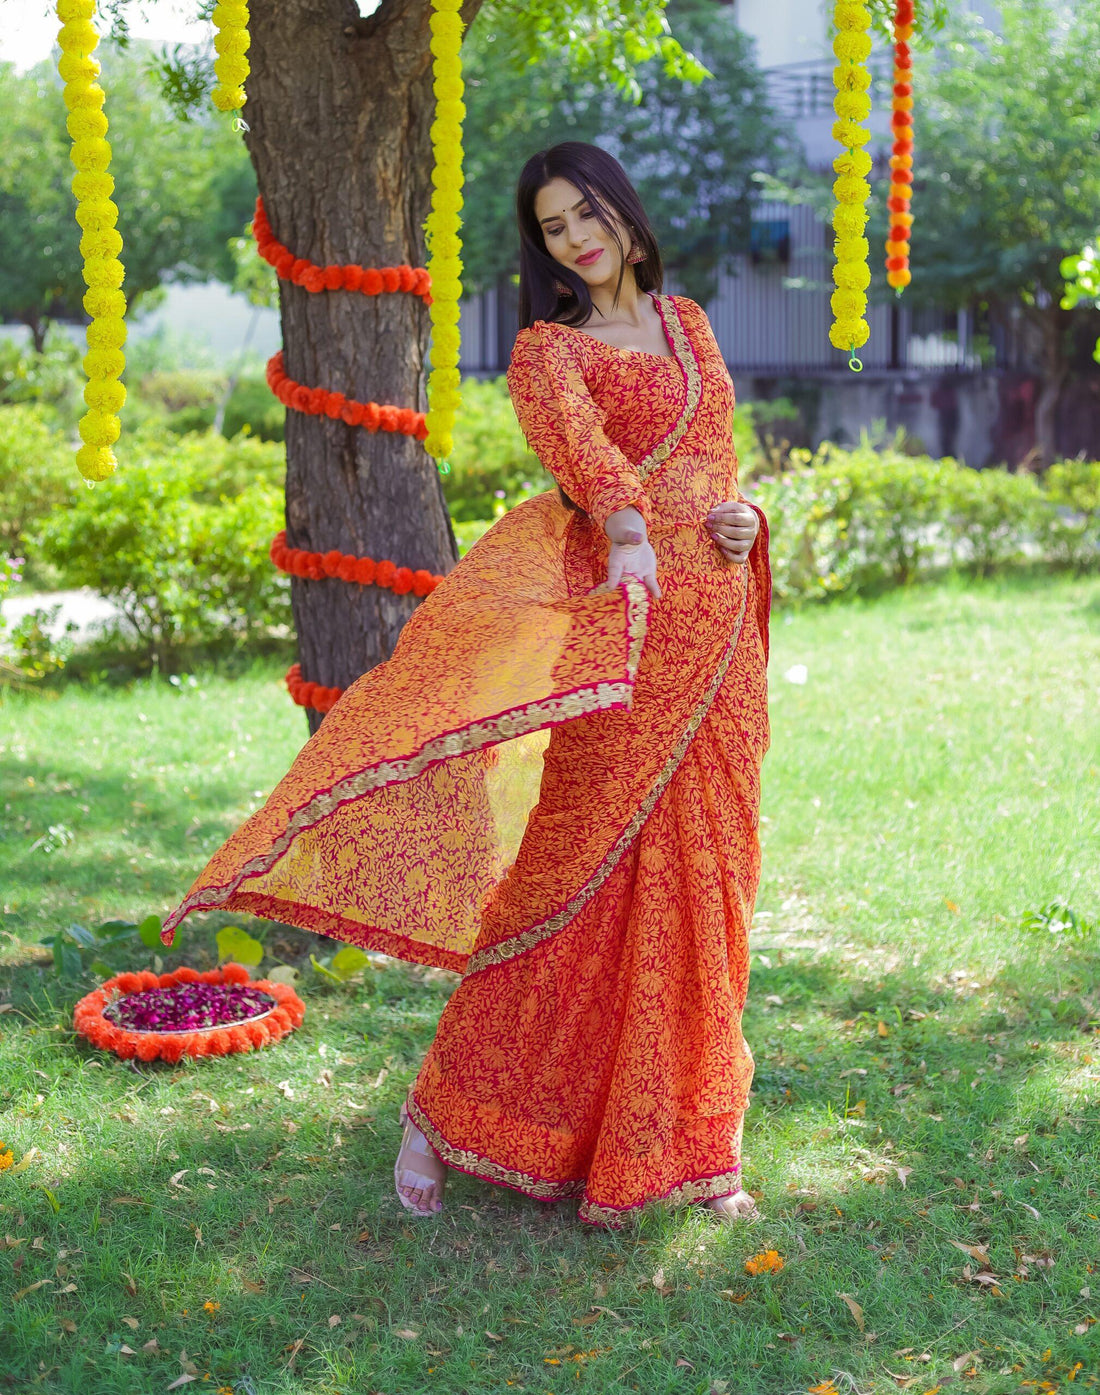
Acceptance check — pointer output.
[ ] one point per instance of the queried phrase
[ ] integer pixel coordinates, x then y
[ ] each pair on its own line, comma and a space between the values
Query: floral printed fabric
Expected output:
595, 885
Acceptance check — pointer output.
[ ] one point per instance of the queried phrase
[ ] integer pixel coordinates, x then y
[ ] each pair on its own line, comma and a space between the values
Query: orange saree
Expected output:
555, 793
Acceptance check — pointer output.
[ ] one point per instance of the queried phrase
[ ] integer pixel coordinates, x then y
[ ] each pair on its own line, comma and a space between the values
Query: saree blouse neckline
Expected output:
658, 300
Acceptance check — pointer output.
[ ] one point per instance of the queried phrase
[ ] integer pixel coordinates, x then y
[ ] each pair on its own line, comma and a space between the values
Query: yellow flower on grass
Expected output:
7, 1157
767, 1262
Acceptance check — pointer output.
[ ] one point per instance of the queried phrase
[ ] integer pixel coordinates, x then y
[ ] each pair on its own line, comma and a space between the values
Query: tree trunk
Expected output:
339, 113
38, 325
1053, 322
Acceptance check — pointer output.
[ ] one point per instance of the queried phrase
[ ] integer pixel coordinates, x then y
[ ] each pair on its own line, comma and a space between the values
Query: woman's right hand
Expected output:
631, 551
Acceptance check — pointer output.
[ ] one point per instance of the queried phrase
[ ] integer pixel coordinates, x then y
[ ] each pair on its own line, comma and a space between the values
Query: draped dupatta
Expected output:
521, 710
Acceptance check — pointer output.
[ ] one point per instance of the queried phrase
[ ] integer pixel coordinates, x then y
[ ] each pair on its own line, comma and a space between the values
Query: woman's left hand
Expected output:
733, 525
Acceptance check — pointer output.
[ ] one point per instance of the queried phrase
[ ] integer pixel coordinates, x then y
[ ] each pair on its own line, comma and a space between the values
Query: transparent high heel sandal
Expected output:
413, 1141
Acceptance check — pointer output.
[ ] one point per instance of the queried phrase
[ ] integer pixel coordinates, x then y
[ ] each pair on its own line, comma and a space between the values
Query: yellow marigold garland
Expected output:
441, 229
100, 244
852, 105
231, 44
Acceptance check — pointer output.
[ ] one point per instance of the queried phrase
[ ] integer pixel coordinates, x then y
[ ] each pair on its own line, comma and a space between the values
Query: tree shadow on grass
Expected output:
254, 1185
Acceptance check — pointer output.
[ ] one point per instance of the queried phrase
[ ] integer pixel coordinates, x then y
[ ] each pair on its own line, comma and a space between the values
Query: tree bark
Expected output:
1053, 323
339, 113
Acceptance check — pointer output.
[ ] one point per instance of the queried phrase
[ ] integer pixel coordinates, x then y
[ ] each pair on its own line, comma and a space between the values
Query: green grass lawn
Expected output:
923, 1134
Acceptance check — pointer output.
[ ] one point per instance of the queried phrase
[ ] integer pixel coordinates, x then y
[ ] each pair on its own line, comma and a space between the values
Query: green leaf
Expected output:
348, 962
51, 1198
285, 973
325, 973
238, 945
112, 929
149, 932
97, 966
84, 938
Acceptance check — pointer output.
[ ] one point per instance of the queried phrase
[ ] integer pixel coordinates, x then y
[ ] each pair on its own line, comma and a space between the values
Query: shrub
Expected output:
992, 515
867, 519
1071, 532
38, 472
254, 408
182, 552
492, 468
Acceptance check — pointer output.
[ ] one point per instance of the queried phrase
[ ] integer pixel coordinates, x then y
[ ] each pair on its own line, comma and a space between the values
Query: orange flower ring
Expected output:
318, 401
901, 159
88, 1018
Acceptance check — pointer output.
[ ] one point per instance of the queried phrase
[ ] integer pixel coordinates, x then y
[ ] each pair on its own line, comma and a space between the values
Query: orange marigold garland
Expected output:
901, 159
319, 401
369, 280
315, 566
89, 1021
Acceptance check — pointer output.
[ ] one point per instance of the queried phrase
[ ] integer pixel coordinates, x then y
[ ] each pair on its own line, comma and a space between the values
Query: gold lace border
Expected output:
518, 721
693, 379
468, 1160
506, 950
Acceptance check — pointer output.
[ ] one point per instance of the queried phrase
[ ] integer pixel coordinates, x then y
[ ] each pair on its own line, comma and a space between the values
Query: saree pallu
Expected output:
554, 792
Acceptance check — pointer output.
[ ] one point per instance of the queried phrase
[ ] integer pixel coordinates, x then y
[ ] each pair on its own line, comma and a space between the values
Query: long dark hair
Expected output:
604, 183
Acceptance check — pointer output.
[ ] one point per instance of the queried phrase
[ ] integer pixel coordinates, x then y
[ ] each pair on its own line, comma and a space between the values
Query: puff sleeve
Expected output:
564, 426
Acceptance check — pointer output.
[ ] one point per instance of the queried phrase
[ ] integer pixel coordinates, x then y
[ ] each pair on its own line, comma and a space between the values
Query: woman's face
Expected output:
574, 235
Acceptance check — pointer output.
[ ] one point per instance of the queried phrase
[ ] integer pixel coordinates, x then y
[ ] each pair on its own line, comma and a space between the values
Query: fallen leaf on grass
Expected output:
29, 1289
335, 1320
408, 1334
978, 1252
127, 1351
903, 1173
132, 1323
854, 1309
181, 1380
250, 1286
960, 1361
663, 1288
127, 1201
681, 1362
151, 1345
494, 1336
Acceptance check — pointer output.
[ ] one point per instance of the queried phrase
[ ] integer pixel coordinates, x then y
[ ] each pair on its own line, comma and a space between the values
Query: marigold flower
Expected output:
767, 1262
7, 1157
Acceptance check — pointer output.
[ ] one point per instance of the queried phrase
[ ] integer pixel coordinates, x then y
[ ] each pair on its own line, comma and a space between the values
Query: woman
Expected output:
593, 1047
